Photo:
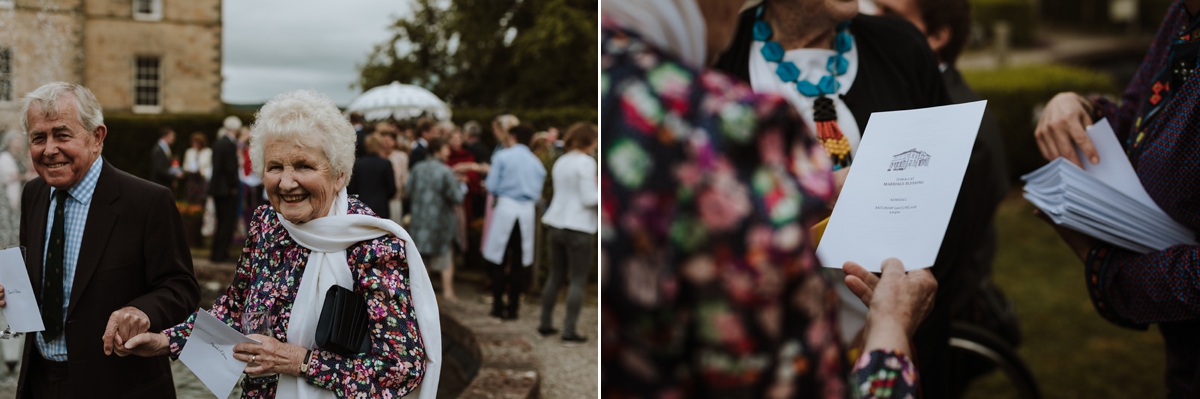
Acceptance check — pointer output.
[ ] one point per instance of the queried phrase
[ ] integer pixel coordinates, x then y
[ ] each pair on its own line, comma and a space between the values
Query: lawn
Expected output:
1072, 351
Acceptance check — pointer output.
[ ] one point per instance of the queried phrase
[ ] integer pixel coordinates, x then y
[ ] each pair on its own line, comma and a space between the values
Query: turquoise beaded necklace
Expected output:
788, 72
824, 110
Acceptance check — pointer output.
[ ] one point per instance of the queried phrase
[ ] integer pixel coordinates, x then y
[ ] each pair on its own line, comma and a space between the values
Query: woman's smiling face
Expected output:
300, 185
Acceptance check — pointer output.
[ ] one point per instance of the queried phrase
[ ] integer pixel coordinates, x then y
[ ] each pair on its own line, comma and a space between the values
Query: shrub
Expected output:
1093, 14
1013, 94
1021, 16
560, 117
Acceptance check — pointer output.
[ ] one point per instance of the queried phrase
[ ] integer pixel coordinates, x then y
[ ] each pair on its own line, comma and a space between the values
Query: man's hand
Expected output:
125, 322
1062, 126
3, 302
148, 344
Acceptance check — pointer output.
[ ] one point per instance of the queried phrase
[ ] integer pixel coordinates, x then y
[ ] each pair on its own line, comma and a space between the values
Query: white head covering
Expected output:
328, 238
674, 26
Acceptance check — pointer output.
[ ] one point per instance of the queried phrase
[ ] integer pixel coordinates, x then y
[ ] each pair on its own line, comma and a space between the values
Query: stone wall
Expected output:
43, 50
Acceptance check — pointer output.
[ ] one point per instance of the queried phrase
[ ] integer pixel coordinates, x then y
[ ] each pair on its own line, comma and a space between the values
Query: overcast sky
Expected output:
272, 46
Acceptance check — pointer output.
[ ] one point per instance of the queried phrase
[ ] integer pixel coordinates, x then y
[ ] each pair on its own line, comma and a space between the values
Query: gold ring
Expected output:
252, 357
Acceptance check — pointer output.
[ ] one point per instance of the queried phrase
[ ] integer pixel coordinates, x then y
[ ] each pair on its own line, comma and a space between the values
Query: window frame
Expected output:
155, 14
138, 80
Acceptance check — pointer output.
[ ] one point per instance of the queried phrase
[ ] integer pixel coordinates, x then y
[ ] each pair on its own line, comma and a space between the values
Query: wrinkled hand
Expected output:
1062, 126
3, 302
147, 344
898, 301
860, 281
269, 357
125, 322
1080, 243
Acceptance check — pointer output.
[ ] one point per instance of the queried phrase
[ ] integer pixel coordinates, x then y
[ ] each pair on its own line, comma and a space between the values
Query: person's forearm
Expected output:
884, 334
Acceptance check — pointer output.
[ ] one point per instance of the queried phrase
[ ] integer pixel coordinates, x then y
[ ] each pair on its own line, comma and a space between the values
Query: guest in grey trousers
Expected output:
570, 225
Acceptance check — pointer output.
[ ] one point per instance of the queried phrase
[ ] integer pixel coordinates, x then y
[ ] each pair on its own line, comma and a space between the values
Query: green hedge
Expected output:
1021, 15
1014, 93
1093, 14
130, 137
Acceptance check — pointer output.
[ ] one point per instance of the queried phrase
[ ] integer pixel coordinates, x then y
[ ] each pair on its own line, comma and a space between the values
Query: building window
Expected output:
147, 86
146, 10
6, 75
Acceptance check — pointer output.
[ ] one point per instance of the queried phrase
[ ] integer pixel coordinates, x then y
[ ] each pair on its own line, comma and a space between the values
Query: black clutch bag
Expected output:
342, 328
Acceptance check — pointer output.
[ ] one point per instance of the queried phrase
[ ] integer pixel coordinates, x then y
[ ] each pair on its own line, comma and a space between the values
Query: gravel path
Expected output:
568, 370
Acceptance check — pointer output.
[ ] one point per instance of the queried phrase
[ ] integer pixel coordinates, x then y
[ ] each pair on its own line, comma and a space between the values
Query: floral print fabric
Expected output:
710, 284
267, 279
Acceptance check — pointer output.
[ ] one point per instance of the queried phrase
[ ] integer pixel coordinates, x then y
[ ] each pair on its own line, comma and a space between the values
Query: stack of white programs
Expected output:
1104, 200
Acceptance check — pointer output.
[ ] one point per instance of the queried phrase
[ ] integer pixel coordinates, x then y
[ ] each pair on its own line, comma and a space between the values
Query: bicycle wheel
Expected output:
972, 344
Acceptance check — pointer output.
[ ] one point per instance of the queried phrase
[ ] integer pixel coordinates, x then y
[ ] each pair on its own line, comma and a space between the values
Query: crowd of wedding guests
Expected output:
497, 198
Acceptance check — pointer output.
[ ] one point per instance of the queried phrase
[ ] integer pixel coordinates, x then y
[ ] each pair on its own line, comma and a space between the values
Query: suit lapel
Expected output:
100, 221
35, 247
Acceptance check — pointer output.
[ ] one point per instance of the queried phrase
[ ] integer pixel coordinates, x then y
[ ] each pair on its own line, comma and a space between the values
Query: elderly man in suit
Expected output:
106, 254
224, 188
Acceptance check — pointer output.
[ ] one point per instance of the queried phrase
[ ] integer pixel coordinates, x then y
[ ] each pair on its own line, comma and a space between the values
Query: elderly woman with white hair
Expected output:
310, 237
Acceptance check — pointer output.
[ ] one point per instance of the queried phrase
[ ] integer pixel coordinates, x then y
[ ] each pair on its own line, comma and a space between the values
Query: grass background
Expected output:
1072, 351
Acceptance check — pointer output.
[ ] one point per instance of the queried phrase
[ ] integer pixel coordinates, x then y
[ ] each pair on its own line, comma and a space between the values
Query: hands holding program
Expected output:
128, 321
1063, 126
898, 302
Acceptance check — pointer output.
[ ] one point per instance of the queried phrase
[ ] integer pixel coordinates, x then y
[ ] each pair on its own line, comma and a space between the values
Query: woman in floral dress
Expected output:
310, 237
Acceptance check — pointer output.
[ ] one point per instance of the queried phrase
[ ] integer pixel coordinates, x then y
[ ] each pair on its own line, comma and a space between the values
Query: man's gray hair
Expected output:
46, 99
307, 118
472, 129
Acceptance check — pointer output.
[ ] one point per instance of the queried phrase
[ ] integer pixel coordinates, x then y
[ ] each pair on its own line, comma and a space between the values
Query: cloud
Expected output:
272, 46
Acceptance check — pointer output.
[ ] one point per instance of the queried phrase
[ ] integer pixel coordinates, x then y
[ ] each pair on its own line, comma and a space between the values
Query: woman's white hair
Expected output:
46, 100
309, 119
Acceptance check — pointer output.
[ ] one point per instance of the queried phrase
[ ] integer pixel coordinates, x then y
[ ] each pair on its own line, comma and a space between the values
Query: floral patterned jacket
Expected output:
267, 279
711, 287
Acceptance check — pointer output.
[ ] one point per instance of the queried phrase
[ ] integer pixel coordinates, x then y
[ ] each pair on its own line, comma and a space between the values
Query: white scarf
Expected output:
328, 238
673, 26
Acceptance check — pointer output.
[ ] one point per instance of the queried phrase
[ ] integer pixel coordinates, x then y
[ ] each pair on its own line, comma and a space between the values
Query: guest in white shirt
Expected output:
197, 167
570, 223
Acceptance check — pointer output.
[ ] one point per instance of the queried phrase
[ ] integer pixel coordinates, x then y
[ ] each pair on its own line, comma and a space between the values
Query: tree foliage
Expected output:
493, 53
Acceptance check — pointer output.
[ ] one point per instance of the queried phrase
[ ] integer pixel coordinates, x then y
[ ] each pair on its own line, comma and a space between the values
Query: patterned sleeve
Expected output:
227, 307
1122, 116
885, 374
1134, 290
395, 364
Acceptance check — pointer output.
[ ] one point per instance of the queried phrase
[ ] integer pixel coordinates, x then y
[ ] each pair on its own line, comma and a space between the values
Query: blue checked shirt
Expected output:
77, 210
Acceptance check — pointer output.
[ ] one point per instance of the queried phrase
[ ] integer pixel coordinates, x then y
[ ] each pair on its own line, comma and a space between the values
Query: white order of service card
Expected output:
902, 186
209, 353
22, 310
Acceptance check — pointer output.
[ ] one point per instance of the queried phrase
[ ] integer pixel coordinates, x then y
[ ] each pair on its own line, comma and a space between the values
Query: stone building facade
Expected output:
137, 56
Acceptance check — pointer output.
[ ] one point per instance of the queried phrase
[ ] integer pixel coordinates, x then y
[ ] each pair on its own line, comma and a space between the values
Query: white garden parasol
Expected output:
399, 101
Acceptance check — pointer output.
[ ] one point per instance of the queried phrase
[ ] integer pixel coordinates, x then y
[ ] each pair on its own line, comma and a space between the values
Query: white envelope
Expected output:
22, 310
209, 354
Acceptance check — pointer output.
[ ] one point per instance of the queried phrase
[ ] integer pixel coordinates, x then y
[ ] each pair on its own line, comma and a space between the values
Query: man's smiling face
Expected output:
62, 149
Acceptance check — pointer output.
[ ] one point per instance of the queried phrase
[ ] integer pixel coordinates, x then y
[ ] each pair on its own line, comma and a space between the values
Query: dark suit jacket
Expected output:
224, 181
375, 183
133, 253
418, 154
160, 167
